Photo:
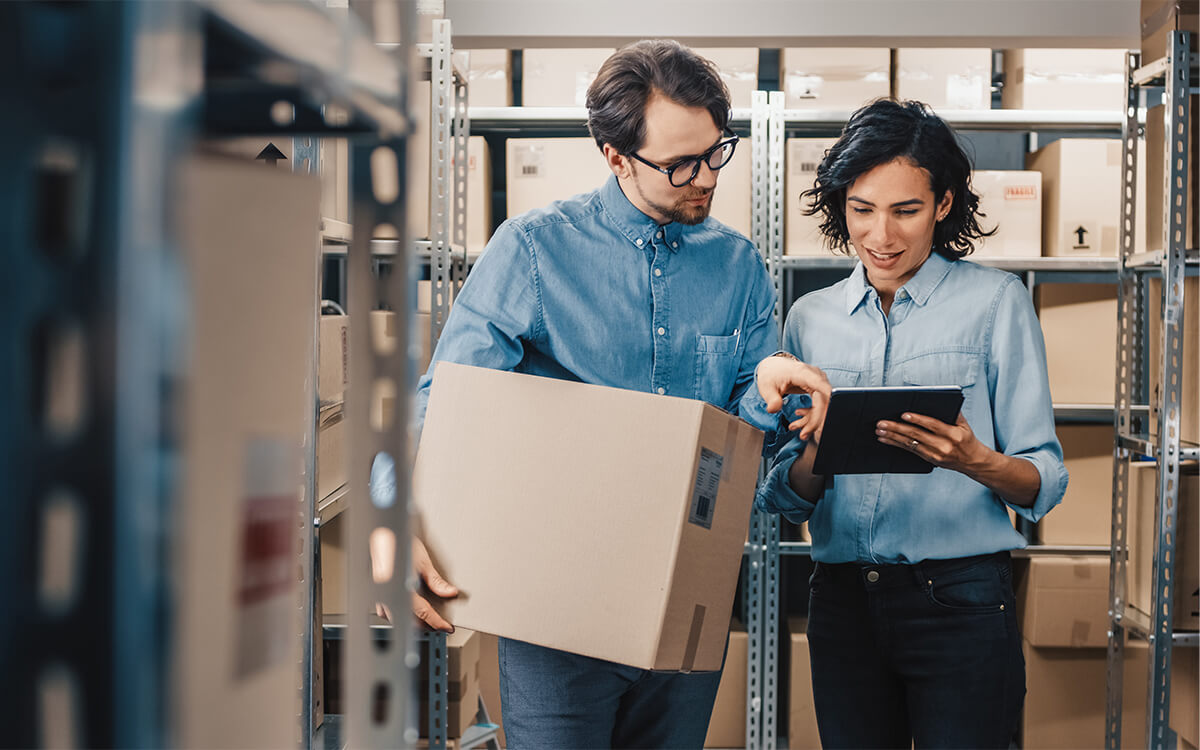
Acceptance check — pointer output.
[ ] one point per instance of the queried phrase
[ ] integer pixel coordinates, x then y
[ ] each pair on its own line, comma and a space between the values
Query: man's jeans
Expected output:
554, 700
925, 655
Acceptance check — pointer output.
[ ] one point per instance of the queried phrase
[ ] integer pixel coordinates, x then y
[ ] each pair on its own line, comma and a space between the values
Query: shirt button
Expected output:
638, 242
662, 331
674, 244
662, 391
659, 235
658, 272
873, 576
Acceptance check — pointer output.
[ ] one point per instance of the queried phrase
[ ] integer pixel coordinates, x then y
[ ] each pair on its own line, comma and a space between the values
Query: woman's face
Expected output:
891, 212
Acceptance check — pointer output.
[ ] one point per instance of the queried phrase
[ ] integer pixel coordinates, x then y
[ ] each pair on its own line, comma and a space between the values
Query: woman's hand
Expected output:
950, 446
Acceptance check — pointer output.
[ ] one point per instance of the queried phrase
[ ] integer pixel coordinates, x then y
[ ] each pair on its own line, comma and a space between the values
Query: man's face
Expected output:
673, 132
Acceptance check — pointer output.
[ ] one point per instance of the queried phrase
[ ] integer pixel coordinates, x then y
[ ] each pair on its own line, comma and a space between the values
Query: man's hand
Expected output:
383, 553
779, 376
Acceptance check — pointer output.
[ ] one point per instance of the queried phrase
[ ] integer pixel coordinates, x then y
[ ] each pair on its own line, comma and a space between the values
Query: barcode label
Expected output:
704, 491
531, 160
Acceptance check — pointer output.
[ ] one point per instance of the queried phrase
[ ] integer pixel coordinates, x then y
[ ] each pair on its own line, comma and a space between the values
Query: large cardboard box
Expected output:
1063, 601
1011, 203
278, 152
945, 79
738, 67
1189, 363
489, 76
1065, 697
834, 79
802, 715
1079, 322
727, 727
1141, 533
543, 170
1064, 79
802, 235
462, 683
1159, 18
732, 201
644, 511
1085, 514
384, 330
333, 370
1185, 694
559, 77
332, 446
1081, 183
1156, 183
246, 233
489, 682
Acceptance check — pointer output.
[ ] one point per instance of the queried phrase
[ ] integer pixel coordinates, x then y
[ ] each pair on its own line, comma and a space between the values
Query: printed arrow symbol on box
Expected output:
1080, 231
270, 154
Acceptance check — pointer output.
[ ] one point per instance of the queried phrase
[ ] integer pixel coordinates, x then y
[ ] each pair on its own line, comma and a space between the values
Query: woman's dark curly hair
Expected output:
884, 131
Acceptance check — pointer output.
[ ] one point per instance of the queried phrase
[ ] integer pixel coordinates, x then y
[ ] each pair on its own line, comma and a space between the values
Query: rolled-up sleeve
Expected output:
1022, 409
775, 494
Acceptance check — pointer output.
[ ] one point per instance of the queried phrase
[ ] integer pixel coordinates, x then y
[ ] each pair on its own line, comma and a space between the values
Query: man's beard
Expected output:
682, 212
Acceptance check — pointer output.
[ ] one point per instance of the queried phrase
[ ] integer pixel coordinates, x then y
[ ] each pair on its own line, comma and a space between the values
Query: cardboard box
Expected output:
1063, 601
727, 727
489, 78
802, 235
1065, 698
1159, 18
1140, 536
654, 522
462, 683
332, 447
733, 199
738, 67
1081, 184
246, 232
1011, 203
945, 79
1189, 384
543, 170
1064, 79
802, 715
489, 682
384, 333
559, 77
1185, 694
1082, 367
1085, 514
1155, 164
333, 370
834, 79
334, 585
278, 151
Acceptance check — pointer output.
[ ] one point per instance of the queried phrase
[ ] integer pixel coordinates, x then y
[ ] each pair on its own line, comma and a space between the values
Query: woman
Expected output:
912, 630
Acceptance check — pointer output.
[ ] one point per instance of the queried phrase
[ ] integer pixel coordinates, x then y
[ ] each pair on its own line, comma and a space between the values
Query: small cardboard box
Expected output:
1065, 698
1064, 79
945, 79
543, 170
727, 727
462, 683
1083, 367
1140, 537
1081, 183
802, 714
1011, 203
1155, 163
1159, 18
384, 332
1063, 601
644, 511
559, 77
738, 67
1189, 363
333, 371
731, 203
802, 234
332, 460
489, 76
1085, 514
831, 79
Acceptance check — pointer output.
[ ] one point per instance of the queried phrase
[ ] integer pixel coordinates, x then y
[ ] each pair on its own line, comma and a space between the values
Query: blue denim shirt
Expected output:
953, 323
591, 289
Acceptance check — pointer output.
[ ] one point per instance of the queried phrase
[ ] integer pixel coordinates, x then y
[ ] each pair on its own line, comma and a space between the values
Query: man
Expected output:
631, 286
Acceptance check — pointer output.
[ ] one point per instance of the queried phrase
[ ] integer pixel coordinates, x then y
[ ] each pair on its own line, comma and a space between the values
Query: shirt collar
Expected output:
637, 227
919, 288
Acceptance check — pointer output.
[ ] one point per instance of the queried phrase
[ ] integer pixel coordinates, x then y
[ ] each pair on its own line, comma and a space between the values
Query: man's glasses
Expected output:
682, 172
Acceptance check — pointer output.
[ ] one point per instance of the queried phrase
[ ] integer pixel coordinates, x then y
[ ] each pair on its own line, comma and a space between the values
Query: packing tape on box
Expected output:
1080, 630
731, 430
693, 641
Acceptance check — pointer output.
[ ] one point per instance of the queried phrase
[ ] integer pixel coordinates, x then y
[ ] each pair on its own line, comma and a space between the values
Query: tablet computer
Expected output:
849, 444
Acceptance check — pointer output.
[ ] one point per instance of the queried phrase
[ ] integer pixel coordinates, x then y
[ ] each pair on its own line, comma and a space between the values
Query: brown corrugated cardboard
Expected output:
1063, 601
1155, 164
479, 194
462, 688
277, 152
1064, 79
559, 77
1065, 697
802, 234
834, 79
1082, 367
384, 334
727, 727
542, 170
1085, 514
1081, 187
1185, 694
1143, 499
489, 75
489, 682
739, 70
653, 521
333, 566
1189, 364
1011, 203
333, 372
1159, 18
945, 79
331, 450
732, 199
246, 232
802, 716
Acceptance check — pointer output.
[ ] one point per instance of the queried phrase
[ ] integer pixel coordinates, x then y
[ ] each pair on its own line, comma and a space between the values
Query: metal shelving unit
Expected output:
1177, 73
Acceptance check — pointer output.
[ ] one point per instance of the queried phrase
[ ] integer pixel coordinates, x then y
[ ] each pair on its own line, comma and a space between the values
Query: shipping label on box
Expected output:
834, 79
595, 522
1011, 203
802, 234
543, 170
1064, 601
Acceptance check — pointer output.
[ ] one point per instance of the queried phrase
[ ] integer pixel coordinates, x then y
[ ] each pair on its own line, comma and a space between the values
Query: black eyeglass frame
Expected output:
696, 161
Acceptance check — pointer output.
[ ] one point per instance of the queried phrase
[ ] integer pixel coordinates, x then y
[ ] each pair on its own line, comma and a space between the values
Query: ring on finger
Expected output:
914, 443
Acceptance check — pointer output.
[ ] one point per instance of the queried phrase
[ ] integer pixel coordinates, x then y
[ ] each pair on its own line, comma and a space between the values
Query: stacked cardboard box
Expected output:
489, 682
334, 586
1085, 515
278, 152
733, 198
1082, 367
489, 76
1011, 203
1159, 18
834, 79
333, 376
1141, 533
462, 678
738, 67
802, 715
543, 170
727, 727
559, 77
1063, 601
1155, 162
1189, 363
945, 79
385, 332
1064, 79
802, 235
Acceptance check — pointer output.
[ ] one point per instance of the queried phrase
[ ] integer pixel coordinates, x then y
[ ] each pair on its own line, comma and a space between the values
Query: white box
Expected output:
945, 79
1011, 201
542, 170
834, 79
739, 70
489, 78
1064, 79
802, 235
559, 77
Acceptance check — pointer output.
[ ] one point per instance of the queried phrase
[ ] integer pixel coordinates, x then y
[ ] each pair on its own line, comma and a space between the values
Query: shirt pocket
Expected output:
716, 368
947, 368
841, 377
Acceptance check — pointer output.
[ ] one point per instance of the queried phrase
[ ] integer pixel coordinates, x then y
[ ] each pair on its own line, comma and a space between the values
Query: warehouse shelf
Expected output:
1083, 413
1153, 261
333, 504
336, 233
528, 120
984, 119
1156, 71
1137, 623
1148, 446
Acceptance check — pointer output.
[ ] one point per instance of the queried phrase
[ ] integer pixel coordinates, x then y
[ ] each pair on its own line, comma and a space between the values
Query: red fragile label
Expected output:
267, 559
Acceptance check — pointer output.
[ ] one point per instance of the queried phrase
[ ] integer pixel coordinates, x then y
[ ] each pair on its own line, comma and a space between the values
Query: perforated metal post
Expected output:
441, 152
462, 134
